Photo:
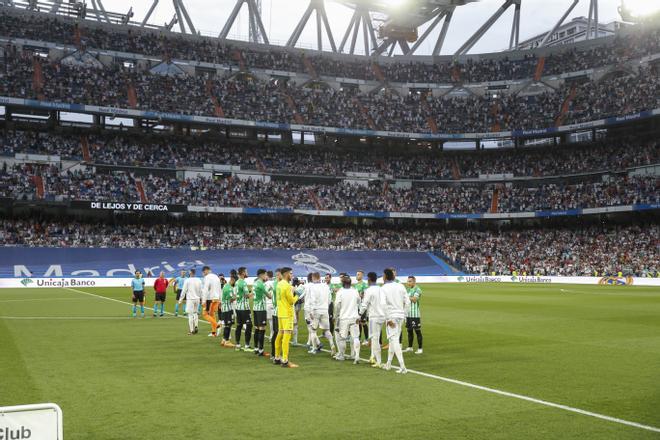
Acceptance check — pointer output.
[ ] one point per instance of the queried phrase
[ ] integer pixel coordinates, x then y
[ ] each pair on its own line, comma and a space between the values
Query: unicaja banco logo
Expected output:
26, 281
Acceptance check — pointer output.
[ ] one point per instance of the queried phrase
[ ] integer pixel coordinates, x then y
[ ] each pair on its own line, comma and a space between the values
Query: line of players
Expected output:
346, 310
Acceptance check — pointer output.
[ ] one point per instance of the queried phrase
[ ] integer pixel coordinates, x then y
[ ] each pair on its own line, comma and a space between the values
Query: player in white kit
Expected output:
319, 302
395, 301
372, 303
313, 341
211, 293
347, 306
270, 290
192, 293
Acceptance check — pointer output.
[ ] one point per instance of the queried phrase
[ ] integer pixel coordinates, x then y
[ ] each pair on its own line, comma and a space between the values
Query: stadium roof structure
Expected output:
386, 25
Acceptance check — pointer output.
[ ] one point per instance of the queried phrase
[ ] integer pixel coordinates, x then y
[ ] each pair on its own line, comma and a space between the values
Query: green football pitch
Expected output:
500, 361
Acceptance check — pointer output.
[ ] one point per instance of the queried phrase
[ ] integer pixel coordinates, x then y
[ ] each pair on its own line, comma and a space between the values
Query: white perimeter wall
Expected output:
468, 279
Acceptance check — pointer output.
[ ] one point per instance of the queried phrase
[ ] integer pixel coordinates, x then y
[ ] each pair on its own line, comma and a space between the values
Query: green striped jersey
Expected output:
227, 293
361, 287
242, 292
334, 287
413, 310
259, 302
274, 299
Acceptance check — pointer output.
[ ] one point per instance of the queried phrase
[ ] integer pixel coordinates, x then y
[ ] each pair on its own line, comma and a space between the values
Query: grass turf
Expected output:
596, 348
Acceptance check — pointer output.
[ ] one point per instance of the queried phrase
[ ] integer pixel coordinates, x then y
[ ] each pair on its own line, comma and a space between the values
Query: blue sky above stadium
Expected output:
280, 17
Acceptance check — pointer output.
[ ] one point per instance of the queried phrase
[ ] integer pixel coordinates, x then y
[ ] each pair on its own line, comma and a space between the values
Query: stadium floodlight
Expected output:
394, 4
640, 8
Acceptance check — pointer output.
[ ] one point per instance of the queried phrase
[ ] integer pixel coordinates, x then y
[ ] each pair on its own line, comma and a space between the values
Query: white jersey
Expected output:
395, 300
372, 303
269, 301
319, 297
211, 288
347, 304
192, 289
307, 306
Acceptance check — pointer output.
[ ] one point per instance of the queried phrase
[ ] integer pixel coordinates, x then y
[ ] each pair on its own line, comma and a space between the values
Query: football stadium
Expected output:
329, 219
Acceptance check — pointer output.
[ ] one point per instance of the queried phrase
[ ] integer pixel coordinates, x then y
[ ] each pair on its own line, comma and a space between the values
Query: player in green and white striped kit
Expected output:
227, 314
413, 317
361, 285
260, 293
243, 317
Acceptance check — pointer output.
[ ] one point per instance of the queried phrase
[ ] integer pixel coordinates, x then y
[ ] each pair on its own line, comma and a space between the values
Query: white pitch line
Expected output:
110, 299
539, 401
472, 385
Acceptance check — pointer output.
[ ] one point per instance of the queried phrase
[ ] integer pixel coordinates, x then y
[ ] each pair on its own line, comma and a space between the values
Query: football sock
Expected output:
356, 348
227, 332
239, 329
257, 335
134, 309
411, 337
286, 339
375, 350
142, 308
162, 308
316, 342
176, 308
278, 345
248, 334
395, 350
418, 332
341, 346
328, 336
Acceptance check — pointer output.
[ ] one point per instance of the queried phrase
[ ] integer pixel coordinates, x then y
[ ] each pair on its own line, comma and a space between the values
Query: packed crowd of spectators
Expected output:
550, 196
163, 151
247, 98
44, 27
86, 184
578, 251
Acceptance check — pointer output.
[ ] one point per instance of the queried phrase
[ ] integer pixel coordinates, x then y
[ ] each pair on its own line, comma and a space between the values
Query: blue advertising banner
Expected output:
646, 207
571, 212
22, 262
264, 211
457, 216
371, 214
